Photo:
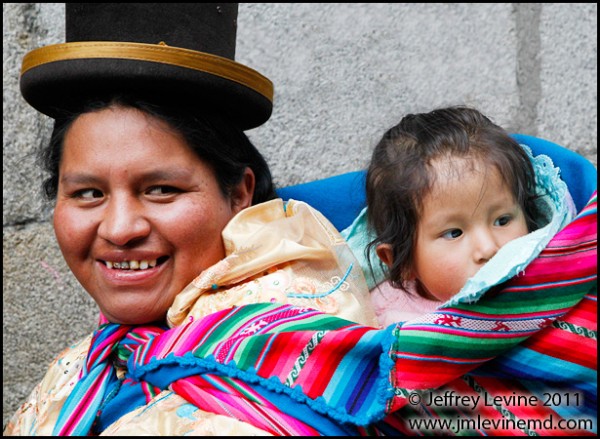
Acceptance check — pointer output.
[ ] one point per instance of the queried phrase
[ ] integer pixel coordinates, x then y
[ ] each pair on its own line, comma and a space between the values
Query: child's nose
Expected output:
486, 246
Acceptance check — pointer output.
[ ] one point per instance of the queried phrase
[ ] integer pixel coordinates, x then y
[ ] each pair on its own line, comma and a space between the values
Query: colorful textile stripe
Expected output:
111, 345
456, 340
82, 405
280, 351
558, 292
351, 374
217, 394
297, 371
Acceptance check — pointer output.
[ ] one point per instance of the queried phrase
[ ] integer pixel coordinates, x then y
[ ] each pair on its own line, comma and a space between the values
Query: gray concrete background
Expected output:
343, 73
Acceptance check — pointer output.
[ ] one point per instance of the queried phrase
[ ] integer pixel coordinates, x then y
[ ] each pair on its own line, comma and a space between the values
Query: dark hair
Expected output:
216, 141
399, 174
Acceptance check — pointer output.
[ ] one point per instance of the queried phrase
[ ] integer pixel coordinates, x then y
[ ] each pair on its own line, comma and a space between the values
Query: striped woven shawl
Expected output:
521, 360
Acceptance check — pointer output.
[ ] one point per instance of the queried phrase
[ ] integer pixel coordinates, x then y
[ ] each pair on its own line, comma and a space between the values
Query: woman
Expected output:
162, 205
136, 230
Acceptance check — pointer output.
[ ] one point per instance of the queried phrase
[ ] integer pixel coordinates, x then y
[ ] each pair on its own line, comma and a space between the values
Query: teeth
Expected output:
132, 265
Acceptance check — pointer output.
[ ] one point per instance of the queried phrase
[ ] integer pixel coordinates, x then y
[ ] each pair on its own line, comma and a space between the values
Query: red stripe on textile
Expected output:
550, 286
560, 267
322, 364
283, 365
85, 402
419, 374
217, 402
164, 344
206, 397
585, 314
483, 410
565, 346
191, 337
581, 232
283, 352
556, 261
259, 324
558, 270
438, 358
576, 237
208, 325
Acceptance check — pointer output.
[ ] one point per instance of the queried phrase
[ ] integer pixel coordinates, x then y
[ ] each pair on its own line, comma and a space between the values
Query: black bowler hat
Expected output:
180, 51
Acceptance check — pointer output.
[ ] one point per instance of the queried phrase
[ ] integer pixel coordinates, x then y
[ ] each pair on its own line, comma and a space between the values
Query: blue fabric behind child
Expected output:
341, 198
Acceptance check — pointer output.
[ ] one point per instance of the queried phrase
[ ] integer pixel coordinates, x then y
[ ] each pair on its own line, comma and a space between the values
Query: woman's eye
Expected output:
88, 194
452, 234
162, 190
502, 221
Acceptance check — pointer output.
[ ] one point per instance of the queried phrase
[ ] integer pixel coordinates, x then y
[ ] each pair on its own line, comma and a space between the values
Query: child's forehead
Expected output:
457, 174
459, 197
446, 168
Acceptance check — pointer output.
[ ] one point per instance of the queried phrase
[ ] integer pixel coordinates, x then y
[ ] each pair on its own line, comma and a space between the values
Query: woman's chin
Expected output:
135, 317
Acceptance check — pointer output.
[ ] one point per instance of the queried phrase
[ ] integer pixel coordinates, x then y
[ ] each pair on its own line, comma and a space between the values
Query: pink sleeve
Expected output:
393, 305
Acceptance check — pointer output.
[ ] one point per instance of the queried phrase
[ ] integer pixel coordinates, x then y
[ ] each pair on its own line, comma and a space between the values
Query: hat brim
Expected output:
57, 78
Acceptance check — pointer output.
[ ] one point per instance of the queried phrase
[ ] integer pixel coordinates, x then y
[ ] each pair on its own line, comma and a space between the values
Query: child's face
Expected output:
468, 215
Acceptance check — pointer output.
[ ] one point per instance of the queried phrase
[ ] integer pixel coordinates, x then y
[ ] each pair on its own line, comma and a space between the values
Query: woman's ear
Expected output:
241, 196
385, 253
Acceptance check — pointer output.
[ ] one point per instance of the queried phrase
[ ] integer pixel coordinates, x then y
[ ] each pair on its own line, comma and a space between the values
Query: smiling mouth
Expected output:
135, 264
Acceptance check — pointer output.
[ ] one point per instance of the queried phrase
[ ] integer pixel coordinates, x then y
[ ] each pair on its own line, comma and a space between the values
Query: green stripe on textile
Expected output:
552, 293
226, 327
575, 329
247, 318
251, 351
315, 323
240, 387
532, 301
430, 343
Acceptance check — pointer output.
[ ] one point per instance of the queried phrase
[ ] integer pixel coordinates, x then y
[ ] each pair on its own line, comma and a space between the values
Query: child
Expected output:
445, 191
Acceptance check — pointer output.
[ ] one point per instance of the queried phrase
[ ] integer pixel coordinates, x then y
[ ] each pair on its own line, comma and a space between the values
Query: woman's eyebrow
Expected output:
166, 174
80, 178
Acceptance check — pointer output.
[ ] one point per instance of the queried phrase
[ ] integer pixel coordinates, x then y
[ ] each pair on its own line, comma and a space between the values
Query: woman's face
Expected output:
138, 215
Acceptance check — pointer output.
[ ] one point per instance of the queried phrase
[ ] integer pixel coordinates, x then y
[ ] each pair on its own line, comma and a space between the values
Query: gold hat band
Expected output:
160, 53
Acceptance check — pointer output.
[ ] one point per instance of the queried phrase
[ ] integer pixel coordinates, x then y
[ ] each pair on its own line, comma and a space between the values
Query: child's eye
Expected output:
502, 221
88, 194
452, 234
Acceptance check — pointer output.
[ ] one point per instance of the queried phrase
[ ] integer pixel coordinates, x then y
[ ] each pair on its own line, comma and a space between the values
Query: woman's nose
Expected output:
124, 221
485, 246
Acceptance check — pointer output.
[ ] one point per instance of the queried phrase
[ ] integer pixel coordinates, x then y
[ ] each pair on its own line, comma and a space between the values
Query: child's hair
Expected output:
400, 174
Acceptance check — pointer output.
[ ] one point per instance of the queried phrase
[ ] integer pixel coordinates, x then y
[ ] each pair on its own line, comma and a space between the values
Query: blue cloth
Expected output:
341, 197
578, 172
